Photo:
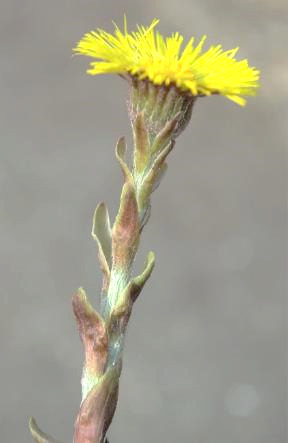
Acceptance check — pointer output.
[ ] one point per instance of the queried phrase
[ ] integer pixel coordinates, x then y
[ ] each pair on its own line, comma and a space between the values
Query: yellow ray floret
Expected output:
146, 54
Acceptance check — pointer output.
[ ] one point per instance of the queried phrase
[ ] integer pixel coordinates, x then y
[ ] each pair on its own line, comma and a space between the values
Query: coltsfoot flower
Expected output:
165, 80
146, 55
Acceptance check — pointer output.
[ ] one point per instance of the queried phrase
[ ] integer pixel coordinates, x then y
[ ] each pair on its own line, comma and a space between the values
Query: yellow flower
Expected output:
146, 54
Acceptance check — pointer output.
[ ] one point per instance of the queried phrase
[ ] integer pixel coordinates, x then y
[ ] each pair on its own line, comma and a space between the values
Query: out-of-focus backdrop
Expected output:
205, 351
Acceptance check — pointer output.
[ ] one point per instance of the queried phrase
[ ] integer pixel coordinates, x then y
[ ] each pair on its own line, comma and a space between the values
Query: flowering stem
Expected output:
103, 332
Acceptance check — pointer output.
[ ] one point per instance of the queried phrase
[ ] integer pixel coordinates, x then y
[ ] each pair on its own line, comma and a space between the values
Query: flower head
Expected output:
146, 54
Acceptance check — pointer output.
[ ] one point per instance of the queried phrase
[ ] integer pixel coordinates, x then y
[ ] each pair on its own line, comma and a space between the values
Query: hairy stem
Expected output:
157, 116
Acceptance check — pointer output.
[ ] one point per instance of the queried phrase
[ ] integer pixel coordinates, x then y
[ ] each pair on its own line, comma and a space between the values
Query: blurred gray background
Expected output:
205, 351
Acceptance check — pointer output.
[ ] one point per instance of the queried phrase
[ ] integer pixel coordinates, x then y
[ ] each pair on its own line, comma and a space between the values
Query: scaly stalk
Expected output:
158, 115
